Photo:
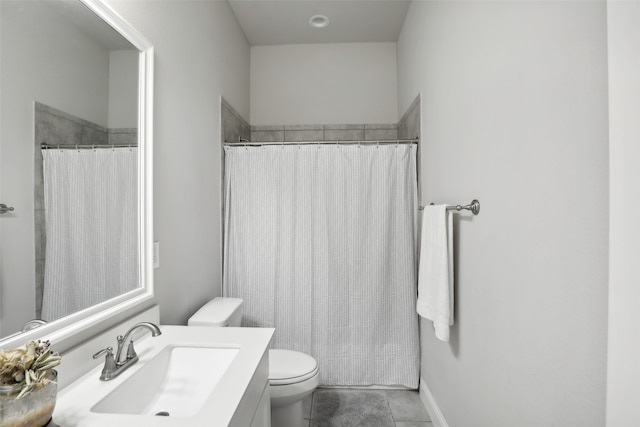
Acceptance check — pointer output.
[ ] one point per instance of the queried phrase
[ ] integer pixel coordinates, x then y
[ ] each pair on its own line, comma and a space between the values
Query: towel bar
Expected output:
474, 207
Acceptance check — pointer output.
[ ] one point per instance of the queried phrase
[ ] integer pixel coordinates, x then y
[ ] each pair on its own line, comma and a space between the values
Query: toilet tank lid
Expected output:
216, 312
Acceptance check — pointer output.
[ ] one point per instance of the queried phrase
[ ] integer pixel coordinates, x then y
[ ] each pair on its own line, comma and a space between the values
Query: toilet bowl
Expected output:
292, 375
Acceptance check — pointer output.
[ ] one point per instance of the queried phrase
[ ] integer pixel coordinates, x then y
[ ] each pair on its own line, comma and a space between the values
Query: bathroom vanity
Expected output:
195, 376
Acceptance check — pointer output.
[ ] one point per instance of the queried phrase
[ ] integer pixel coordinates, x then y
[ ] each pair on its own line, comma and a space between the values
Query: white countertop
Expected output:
73, 408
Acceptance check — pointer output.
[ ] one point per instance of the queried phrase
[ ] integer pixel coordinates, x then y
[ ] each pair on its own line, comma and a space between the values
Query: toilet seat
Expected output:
292, 377
290, 367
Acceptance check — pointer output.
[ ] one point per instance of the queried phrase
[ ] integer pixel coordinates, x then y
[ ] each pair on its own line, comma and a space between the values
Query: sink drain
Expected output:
162, 414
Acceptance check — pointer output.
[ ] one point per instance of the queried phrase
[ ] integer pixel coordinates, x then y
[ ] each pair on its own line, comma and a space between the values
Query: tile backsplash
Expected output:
233, 125
335, 132
409, 124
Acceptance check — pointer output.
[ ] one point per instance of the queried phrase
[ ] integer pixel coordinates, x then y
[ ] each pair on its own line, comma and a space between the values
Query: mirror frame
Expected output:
75, 328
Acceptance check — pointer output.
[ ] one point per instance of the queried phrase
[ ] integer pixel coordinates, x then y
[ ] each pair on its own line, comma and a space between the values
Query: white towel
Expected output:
435, 274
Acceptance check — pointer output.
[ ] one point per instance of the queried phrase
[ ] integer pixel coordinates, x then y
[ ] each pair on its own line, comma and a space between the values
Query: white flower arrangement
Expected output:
27, 367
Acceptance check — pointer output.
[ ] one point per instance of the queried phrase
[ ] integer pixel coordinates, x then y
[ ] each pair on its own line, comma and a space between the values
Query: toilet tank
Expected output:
221, 311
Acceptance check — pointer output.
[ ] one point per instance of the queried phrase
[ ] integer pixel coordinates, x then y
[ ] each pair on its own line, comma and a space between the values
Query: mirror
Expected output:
77, 77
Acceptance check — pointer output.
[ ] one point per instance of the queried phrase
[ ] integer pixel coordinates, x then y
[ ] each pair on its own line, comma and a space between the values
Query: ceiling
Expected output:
273, 22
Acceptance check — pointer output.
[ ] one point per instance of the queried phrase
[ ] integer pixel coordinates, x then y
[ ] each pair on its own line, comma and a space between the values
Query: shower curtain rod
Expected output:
244, 143
46, 146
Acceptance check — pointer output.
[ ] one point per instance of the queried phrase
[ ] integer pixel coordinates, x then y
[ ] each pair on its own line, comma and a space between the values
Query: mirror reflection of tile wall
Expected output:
53, 126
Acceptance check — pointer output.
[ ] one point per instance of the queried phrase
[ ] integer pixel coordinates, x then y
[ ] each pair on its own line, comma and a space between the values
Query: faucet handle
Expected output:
108, 351
109, 363
131, 352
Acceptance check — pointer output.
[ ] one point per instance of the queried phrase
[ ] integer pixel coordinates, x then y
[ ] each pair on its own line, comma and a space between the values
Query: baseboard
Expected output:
431, 405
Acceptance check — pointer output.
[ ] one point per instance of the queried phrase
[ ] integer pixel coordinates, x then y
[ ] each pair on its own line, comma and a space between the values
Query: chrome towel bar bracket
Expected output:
4, 209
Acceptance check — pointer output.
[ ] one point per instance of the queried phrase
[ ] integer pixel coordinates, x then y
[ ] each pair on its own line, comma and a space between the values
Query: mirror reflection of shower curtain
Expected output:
91, 225
320, 243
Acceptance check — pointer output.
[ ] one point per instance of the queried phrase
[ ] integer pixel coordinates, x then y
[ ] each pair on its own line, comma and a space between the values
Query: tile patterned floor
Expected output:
365, 408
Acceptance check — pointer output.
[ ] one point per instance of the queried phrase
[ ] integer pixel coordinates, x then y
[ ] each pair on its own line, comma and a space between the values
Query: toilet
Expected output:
292, 375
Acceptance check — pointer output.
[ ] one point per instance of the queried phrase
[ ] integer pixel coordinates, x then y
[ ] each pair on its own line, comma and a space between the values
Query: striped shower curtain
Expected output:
320, 242
91, 227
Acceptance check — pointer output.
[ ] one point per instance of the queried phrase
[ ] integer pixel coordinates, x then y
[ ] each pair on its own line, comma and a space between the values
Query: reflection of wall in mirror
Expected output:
123, 89
47, 60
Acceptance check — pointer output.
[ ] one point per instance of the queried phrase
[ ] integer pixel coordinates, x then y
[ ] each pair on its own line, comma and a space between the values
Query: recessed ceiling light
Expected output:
319, 21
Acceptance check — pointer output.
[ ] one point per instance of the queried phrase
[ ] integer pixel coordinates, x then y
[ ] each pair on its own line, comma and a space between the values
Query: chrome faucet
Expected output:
113, 366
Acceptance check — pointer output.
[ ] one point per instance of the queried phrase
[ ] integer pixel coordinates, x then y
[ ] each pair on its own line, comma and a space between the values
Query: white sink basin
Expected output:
202, 376
176, 382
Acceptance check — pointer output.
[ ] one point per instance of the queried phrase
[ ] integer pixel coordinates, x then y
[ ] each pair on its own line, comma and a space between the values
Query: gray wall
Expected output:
200, 55
514, 113
301, 84
623, 374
